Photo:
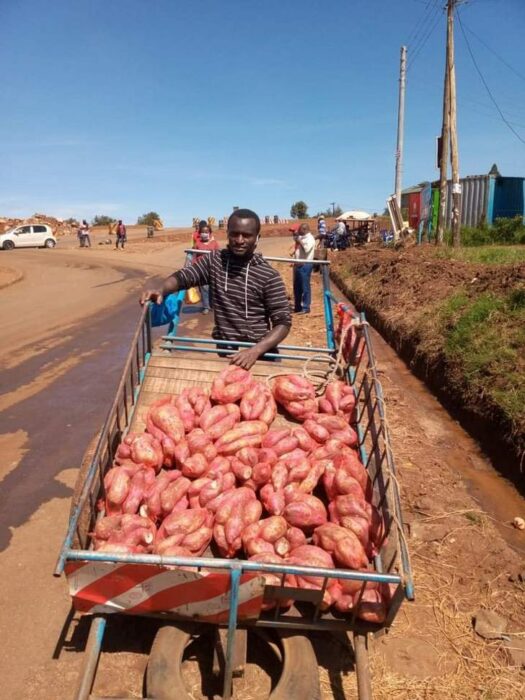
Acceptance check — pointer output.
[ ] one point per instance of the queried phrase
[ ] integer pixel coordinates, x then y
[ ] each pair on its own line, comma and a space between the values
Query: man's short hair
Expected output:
245, 214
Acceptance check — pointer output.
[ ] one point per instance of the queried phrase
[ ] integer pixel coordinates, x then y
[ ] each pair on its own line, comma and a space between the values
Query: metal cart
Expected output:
103, 583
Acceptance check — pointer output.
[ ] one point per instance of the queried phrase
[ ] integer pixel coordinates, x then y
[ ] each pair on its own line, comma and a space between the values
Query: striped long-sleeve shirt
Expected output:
248, 295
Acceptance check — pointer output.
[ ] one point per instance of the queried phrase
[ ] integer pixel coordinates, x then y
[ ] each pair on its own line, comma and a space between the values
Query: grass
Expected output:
485, 337
487, 255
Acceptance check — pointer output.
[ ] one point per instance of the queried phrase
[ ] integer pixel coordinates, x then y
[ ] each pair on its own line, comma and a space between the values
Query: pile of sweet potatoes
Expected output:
209, 471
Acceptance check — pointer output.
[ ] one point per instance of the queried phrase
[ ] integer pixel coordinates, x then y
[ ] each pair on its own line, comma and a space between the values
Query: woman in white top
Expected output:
304, 250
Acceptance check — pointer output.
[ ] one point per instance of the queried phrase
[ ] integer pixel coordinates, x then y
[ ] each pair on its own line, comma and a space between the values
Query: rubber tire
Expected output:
49, 243
299, 678
164, 675
8, 245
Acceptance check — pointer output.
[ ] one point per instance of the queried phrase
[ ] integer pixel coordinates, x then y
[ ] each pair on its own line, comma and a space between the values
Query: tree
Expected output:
299, 210
336, 211
148, 219
102, 220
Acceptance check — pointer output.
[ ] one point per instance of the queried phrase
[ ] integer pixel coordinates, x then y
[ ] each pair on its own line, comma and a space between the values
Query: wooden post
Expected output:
454, 153
445, 135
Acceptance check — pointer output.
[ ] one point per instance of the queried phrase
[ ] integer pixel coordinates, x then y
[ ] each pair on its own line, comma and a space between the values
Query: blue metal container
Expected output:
509, 198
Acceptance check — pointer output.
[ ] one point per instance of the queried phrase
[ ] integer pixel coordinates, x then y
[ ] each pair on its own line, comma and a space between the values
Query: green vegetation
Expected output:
502, 232
487, 254
299, 210
331, 211
102, 220
484, 337
148, 219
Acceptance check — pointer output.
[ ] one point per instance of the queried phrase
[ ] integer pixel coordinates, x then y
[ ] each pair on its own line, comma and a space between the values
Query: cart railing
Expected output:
115, 425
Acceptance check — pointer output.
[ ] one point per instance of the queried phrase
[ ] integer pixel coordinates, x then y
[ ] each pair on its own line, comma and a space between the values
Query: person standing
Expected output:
321, 228
121, 235
86, 236
200, 226
204, 240
339, 235
302, 272
249, 296
83, 235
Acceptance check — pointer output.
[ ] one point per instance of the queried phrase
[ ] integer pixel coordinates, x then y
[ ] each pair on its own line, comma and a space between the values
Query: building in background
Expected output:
484, 198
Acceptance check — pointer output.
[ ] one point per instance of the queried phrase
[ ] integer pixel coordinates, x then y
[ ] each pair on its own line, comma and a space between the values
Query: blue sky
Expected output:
189, 108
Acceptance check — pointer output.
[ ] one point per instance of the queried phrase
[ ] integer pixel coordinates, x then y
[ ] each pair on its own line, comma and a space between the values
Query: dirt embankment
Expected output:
459, 326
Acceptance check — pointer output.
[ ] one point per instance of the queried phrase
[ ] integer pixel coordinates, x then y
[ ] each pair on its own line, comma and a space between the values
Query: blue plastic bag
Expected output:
162, 314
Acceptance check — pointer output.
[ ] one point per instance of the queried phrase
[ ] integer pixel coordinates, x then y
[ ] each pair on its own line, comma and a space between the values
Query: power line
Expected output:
505, 63
505, 120
419, 27
416, 51
420, 35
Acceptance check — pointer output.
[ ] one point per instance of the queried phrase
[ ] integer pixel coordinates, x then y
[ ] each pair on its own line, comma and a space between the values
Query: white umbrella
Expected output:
353, 215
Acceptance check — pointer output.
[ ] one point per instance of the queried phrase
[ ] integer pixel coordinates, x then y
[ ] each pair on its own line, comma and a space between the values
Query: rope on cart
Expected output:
338, 365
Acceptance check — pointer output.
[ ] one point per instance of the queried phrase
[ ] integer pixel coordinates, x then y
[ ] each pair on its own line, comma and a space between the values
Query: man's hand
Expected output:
151, 295
245, 358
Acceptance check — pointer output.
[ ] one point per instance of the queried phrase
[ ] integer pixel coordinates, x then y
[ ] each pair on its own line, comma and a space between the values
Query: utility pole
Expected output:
333, 208
401, 124
454, 153
449, 137
445, 136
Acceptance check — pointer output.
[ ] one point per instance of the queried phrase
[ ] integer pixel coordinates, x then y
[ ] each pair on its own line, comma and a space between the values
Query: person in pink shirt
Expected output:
203, 240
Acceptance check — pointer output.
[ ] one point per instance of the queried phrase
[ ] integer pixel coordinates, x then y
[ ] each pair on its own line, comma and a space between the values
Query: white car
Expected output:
28, 236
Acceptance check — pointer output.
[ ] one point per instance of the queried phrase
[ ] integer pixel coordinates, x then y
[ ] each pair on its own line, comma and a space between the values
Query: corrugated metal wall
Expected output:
474, 200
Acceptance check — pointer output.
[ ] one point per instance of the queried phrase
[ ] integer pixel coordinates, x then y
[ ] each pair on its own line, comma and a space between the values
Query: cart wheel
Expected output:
164, 673
299, 677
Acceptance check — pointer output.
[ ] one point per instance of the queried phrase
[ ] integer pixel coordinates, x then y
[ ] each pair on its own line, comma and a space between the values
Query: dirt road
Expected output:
67, 325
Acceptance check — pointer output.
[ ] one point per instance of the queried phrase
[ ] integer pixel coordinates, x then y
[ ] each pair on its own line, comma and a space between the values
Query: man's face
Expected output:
303, 229
242, 236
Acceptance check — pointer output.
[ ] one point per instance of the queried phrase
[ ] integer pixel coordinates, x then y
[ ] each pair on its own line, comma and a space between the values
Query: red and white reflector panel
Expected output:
139, 589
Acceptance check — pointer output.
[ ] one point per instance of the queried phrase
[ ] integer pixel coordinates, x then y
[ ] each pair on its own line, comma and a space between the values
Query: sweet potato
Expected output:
163, 420
306, 512
231, 384
173, 493
258, 404
342, 544
217, 420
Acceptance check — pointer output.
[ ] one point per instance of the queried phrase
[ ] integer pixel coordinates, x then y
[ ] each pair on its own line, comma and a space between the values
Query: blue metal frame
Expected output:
403, 583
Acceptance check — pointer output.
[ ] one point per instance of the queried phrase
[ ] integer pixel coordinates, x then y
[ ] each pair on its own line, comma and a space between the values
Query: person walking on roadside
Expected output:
204, 240
302, 272
121, 235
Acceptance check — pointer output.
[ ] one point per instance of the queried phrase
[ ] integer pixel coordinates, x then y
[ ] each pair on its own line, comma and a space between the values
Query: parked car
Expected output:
28, 236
